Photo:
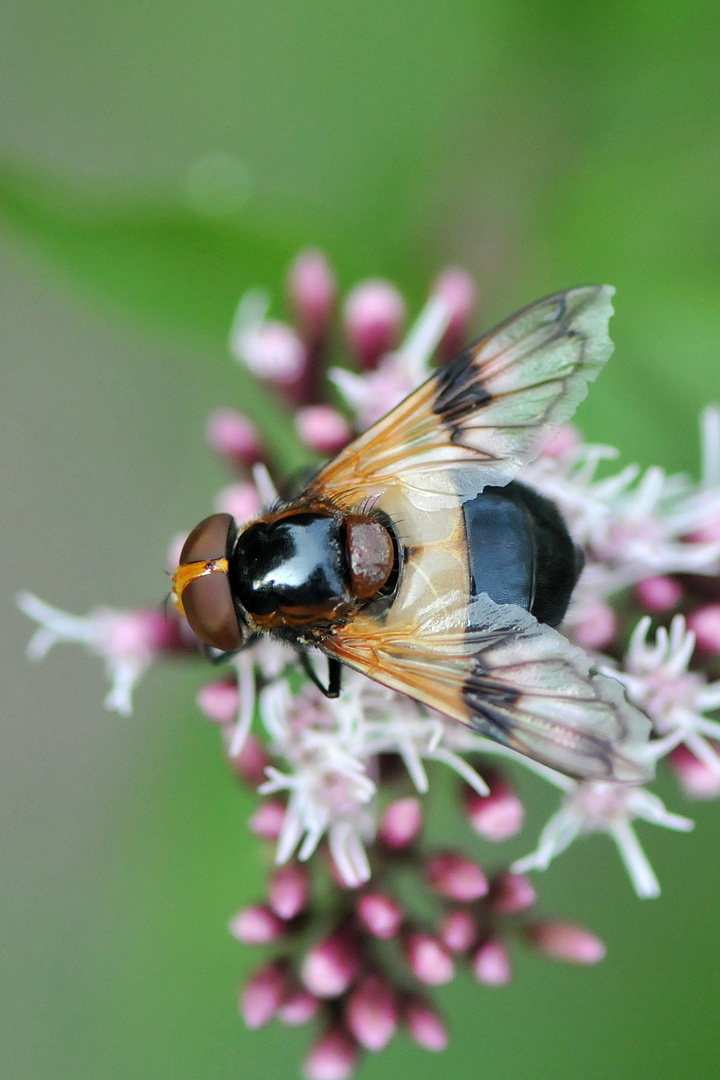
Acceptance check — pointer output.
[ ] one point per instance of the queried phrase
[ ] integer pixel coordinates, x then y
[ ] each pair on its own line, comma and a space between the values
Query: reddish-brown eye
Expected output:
208, 540
206, 598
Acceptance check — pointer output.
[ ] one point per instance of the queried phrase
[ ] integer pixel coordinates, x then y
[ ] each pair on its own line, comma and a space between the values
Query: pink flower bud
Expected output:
371, 1013
298, 1007
322, 428
458, 931
263, 994
233, 436
496, 816
658, 593
251, 762
429, 961
273, 351
566, 941
697, 779
379, 914
312, 289
219, 701
459, 291
708, 533
424, 1025
373, 315
267, 821
705, 624
400, 824
491, 964
288, 890
598, 627
331, 965
456, 877
139, 634
566, 438
256, 925
334, 1057
241, 500
512, 893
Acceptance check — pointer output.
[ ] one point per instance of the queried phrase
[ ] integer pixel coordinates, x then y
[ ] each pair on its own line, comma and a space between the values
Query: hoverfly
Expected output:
414, 557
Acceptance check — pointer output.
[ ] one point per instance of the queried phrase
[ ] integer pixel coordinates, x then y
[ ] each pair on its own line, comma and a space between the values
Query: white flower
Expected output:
128, 641
659, 682
329, 789
631, 525
330, 751
593, 806
268, 348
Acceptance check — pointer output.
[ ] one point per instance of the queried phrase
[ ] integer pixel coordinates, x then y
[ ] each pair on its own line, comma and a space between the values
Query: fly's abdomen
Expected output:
520, 552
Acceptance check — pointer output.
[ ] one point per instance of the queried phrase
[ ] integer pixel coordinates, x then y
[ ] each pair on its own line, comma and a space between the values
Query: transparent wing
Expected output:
508, 677
493, 667
493, 407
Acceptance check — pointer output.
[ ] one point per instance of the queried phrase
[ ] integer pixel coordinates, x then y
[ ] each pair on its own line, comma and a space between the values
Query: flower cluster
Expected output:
370, 968
364, 915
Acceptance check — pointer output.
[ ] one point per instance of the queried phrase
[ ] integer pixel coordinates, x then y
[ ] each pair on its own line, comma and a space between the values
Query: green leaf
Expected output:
157, 260
163, 263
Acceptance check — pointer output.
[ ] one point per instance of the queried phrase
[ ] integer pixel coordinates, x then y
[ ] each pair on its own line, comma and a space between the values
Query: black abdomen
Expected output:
520, 551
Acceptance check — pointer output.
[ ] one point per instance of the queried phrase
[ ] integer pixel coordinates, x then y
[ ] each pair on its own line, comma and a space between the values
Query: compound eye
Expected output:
211, 539
202, 584
211, 613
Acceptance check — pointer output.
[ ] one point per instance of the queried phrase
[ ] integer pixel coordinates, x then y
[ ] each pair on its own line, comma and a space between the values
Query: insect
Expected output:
415, 557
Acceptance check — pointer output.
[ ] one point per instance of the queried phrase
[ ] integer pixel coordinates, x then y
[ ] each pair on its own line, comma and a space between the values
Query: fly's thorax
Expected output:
304, 566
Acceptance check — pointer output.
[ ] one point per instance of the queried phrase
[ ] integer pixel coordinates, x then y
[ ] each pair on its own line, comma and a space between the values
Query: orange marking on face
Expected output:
188, 572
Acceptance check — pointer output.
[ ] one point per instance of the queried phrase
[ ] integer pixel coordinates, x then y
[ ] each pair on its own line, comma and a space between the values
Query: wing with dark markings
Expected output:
491, 409
511, 679
490, 666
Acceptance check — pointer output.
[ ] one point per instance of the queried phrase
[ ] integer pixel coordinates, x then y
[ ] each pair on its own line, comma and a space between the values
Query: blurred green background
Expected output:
540, 145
